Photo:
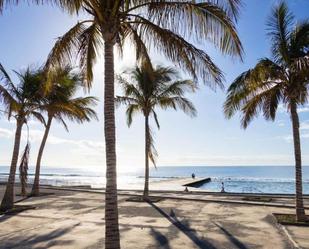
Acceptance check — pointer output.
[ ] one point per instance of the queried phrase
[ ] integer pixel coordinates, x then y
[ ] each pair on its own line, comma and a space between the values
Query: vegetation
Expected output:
283, 78
60, 103
165, 26
23, 169
20, 101
150, 88
290, 219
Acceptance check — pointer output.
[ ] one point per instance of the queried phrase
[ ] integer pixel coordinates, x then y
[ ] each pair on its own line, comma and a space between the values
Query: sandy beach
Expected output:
75, 219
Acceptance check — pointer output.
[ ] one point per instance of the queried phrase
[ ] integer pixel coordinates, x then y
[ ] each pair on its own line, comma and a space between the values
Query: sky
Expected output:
27, 35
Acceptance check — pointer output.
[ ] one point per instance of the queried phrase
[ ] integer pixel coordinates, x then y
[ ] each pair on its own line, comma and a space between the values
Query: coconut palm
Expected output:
60, 103
19, 101
283, 78
150, 88
164, 26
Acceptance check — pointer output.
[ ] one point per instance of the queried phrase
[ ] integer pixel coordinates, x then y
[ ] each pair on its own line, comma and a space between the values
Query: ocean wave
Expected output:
162, 177
55, 174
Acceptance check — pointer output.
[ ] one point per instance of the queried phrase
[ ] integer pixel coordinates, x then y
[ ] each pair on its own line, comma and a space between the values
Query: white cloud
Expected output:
303, 109
282, 109
304, 125
6, 133
84, 147
289, 138
280, 123
237, 160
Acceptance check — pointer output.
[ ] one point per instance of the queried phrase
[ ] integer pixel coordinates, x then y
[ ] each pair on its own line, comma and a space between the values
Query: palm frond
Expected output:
5, 79
189, 58
264, 76
23, 169
153, 153
10, 104
271, 102
132, 109
300, 40
178, 87
39, 117
206, 20
155, 116
90, 43
123, 100
69, 5
176, 102
279, 24
60, 119
66, 46
130, 90
142, 54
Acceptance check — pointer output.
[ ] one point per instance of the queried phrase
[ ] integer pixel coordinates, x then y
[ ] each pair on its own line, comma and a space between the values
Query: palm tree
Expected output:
21, 102
283, 78
60, 104
148, 89
165, 26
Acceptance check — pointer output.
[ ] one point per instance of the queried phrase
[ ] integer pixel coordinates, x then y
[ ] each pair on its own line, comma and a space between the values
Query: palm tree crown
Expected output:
21, 100
60, 103
147, 89
165, 26
284, 78
150, 88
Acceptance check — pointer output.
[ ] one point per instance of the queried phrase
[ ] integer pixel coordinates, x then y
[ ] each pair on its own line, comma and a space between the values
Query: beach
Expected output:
74, 218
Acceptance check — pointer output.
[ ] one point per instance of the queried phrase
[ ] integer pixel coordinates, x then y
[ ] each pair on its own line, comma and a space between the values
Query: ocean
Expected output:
240, 179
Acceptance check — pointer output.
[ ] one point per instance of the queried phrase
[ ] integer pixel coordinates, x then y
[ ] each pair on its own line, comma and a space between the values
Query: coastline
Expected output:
241, 179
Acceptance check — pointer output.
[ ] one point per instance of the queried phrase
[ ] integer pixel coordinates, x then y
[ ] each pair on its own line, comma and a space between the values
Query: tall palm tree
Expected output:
60, 103
283, 78
19, 101
165, 26
150, 88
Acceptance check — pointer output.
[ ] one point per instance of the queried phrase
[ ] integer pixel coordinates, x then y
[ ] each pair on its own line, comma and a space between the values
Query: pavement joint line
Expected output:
197, 192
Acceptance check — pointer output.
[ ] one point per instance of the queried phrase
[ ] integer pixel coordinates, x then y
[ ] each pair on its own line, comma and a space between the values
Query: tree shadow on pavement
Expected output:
33, 241
184, 228
232, 238
160, 238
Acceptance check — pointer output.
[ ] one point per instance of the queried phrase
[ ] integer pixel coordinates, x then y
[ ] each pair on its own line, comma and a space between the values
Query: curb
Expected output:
288, 236
265, 204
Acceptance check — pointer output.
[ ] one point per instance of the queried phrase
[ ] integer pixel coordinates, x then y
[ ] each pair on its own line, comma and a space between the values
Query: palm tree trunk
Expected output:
8, 198
112, 239
300, 211
36, 183
147, 144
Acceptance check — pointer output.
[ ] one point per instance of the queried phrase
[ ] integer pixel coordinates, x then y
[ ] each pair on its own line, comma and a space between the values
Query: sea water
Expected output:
240, 179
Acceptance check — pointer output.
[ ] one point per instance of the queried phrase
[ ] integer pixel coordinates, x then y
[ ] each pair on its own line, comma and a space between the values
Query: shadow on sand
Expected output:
32, 241
232, 238
160, 238
184, 228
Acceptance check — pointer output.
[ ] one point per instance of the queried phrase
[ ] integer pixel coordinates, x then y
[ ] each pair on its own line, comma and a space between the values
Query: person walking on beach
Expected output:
193, 176
222, 187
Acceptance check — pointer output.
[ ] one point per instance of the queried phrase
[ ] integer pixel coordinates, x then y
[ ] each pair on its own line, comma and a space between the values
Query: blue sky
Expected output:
29, 32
